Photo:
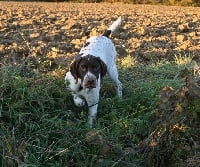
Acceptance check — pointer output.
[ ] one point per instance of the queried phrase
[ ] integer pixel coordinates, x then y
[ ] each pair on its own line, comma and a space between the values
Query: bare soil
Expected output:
58, 30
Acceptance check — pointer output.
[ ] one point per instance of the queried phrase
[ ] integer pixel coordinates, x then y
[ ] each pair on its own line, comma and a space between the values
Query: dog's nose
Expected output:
91, 82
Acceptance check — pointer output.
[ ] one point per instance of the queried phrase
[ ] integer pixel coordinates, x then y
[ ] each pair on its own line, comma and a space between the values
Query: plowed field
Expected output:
148, 32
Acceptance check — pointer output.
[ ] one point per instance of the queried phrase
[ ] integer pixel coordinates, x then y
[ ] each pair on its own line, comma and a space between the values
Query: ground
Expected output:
148, 32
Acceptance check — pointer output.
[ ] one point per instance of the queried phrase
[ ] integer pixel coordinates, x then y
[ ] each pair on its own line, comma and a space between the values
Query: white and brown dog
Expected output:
95, 58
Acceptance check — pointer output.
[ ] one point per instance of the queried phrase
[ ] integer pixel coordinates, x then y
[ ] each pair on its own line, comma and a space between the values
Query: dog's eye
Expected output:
95, 68
83, 67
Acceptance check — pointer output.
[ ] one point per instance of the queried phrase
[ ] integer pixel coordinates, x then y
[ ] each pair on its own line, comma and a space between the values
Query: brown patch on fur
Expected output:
107, 33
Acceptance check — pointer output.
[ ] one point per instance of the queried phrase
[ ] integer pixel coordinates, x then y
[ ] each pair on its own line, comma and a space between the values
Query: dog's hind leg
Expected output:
113, 73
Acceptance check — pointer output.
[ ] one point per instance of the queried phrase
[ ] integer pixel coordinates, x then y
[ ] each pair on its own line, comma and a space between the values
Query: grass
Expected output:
40, 126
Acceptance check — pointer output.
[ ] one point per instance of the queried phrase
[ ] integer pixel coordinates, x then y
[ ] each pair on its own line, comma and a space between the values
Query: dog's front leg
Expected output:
92, 114
92, 99
78, 101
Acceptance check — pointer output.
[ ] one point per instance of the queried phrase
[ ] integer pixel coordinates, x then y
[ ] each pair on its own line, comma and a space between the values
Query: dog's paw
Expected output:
79, 102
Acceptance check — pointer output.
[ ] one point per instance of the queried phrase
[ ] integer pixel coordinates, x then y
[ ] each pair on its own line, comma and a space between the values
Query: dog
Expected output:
95, 59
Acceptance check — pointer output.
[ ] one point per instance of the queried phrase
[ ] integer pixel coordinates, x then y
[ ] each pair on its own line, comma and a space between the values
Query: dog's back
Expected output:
102, 46
99, 46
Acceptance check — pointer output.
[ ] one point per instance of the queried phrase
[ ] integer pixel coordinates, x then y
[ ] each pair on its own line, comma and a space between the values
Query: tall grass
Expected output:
40, 126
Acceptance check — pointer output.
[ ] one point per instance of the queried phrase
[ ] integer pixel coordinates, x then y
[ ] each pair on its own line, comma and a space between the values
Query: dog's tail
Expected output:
113, 27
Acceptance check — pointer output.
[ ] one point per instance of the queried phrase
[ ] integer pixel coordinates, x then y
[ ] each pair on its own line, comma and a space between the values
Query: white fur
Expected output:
115, 25
89, 75
102, 47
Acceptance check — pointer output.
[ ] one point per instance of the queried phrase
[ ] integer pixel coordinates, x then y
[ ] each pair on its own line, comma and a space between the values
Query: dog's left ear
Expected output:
74, 68
103, 67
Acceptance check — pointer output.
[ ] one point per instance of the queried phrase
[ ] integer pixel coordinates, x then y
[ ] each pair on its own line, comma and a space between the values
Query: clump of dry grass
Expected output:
128, 62
182, 59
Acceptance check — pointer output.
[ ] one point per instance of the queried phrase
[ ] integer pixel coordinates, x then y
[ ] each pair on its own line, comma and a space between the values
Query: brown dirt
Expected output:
58, 30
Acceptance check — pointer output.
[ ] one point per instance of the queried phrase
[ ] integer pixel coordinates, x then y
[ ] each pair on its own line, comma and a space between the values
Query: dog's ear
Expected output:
103, 67
74, 68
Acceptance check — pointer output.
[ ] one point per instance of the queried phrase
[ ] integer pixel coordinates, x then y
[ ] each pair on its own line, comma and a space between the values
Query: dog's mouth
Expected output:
90, 86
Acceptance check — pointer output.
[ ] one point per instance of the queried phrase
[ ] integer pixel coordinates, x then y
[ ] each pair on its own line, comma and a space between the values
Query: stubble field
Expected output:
40, 126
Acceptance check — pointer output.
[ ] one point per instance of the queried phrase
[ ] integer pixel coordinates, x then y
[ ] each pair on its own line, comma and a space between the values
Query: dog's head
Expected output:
88, 68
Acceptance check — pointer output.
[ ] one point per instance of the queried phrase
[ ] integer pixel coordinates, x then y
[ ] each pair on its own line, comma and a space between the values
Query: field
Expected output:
156, 123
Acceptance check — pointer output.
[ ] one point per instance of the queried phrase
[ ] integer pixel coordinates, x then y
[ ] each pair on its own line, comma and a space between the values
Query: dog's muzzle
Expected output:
90, 81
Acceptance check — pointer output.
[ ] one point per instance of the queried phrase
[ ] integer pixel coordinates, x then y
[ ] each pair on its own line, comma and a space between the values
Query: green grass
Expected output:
40, 126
